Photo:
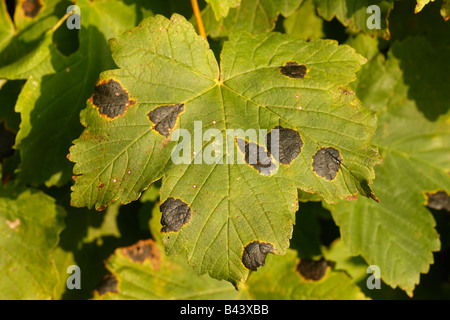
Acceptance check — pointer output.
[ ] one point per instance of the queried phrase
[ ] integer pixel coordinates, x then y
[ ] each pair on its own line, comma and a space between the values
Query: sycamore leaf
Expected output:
219, 208
253, 16
304, 22
31, 21
30, 224
57, 87
413, 137
354, 14
143, 271
292, 278
221, 7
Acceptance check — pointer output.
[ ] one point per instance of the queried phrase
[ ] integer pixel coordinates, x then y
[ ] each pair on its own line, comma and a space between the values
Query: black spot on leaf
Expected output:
289, 145
175, 214
255, 254
438, 200
7, 140
327, 162
31, 7
293, 70
256, 156
165, 118
313, 270
108, 285
111, 99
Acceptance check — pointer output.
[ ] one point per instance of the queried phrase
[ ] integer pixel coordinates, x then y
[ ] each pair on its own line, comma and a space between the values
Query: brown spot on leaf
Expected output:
13, 224
327, 162
289, 144
353, 197
143, 250
293, 70
256, 156
438, 200
108, 285
111, 99
165, 118
7, 140
255, 253
313, 270
31, 7
100, 185
175, 214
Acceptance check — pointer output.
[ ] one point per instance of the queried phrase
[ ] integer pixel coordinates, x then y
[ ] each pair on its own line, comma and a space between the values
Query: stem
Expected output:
61, 21
198, 18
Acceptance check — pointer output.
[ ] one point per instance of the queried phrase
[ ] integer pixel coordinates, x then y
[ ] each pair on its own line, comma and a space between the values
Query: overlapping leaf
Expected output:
354, 14
143, 271
226, 206
398, 233
253, 16
221, 7
57, 87
30, 224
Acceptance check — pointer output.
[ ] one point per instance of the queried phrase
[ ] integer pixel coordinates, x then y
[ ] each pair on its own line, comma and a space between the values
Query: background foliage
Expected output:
47, 74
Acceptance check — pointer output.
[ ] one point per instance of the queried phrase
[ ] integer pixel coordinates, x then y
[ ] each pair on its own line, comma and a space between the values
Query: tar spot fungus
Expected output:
313, 270
108, 285
256, 156
111, 99
255, 253
438, 200
143, 250
31, 7
289, 145
327, 162
7, 140
175, 214
293, 70
165, 118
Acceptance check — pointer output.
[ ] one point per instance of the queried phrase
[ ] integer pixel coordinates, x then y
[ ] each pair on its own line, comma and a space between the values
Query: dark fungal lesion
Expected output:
256, 156
255, 253
327, 162
313, 270
31, 8
111, 99
294, 70
165, 118
175, 214
289, 144
439, 200
108, 285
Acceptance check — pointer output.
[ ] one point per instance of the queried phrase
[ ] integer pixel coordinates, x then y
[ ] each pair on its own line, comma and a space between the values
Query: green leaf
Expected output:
221, 7
253, 16
413, 137
280, 279
304, 22
166, 64
30, 25
353, 14
57, 87
420, 4
30, 224
142, 271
